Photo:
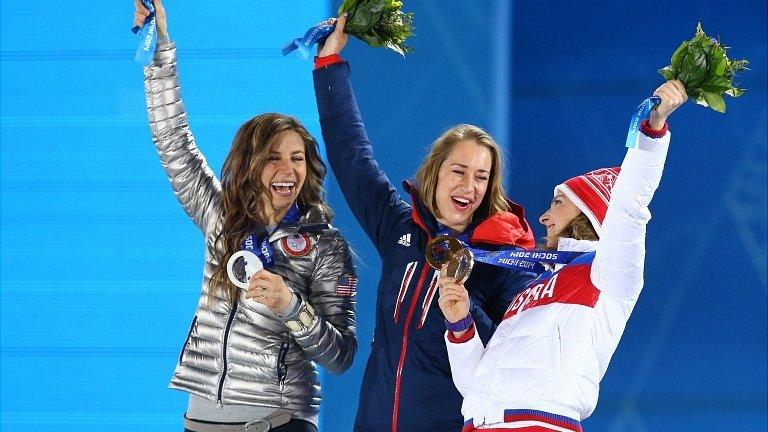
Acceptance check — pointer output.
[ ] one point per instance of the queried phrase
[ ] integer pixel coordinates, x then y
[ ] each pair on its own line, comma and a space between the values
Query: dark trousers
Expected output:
294, 425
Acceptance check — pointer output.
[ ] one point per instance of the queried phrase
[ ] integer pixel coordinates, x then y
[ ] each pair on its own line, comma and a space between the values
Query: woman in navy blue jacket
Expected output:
407, 384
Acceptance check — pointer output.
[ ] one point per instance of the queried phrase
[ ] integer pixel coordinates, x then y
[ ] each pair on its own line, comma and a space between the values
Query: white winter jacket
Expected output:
549, 354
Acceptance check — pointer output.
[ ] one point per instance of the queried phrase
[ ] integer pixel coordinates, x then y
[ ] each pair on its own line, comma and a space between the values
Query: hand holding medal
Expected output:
270, 290
246, 268
454, 298
455, 262
246, 271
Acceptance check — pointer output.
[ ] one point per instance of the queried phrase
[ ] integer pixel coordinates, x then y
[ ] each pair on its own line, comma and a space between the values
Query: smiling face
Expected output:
461, 184
283, 175
561, 212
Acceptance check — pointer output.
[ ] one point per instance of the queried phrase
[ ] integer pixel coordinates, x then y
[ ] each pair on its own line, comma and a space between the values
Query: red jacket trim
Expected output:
327, 60
645, 128
464, 338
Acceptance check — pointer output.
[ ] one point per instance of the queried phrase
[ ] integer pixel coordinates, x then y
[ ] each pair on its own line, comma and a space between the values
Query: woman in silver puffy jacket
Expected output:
247, 362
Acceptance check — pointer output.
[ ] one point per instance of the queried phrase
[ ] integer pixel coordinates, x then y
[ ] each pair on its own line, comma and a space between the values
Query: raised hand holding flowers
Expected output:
705, 70
379, 23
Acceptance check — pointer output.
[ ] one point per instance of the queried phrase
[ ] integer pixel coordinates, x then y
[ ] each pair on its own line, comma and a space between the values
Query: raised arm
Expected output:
192, 180
373, 199
619, 260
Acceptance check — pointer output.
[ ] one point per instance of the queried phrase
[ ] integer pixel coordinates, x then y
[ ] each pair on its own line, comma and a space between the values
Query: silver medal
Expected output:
241, 266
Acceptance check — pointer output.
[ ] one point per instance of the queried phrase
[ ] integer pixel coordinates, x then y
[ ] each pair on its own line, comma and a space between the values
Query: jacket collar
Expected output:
573, 245
312, 220
502, 229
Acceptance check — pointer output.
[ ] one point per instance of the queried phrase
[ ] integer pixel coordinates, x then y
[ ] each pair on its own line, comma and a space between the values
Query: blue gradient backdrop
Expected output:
100, 268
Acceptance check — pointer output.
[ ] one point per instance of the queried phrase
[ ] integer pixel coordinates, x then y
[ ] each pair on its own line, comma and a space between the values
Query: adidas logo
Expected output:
405, 240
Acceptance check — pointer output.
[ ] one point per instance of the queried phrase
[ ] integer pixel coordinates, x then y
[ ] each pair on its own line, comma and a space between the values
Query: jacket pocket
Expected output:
186, 341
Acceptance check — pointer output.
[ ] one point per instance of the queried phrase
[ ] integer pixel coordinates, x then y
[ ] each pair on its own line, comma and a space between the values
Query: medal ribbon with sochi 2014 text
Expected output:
641, 113
314, 35
265, 252
529, 260
148, 34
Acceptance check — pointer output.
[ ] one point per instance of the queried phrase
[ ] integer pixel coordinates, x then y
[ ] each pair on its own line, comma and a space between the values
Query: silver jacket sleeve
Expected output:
195, 185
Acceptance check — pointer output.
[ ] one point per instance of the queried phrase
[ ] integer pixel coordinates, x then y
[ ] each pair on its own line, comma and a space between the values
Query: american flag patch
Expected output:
347, 286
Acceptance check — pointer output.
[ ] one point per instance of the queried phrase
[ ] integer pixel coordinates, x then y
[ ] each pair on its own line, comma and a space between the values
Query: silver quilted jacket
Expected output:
246, 354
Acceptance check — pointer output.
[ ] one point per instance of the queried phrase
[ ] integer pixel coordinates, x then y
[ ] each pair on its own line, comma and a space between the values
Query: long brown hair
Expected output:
241, 206
579, 228
494, 201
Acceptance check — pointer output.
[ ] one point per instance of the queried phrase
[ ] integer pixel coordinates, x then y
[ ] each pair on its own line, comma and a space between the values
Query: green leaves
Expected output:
379, 23
705, 70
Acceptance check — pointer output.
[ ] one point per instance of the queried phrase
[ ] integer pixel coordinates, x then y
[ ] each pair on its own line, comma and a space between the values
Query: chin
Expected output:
282, 202
459, 222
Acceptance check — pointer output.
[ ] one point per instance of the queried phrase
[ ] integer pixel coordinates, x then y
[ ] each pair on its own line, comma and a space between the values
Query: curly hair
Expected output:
242, 209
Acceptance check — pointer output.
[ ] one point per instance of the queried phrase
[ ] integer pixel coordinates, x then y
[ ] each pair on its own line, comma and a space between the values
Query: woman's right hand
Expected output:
454, 298
142, 13
336, 41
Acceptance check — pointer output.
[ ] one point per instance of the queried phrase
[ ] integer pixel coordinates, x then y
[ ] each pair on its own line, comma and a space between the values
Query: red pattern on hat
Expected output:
591, 193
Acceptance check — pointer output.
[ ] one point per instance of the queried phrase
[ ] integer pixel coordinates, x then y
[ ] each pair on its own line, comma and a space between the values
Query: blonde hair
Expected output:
579, 228
494, 201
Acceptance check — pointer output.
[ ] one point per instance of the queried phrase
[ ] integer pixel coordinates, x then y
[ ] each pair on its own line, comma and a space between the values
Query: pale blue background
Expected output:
101, 268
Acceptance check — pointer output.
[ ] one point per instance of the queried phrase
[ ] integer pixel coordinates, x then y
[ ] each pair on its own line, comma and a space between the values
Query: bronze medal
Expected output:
460, 265
443, 250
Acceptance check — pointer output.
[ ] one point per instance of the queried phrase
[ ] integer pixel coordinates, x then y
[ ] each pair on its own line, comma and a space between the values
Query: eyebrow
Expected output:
466, 167
272, 152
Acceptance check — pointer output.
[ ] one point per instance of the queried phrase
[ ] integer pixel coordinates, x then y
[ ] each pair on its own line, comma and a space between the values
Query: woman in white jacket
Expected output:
542, 368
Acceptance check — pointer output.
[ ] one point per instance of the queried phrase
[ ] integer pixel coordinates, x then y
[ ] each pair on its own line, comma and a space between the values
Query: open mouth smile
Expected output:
283, 188
461, 203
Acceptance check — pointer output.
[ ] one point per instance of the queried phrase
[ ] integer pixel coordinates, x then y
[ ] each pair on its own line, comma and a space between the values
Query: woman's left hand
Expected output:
337, 40
672, 94
270, 290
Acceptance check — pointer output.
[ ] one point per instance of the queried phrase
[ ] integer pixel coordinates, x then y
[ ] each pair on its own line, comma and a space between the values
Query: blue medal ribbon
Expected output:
304, 44
148, 33
643, 112
528, 260
265, 252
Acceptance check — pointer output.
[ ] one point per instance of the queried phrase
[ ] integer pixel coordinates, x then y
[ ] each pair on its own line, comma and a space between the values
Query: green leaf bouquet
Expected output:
379, 23
705, 70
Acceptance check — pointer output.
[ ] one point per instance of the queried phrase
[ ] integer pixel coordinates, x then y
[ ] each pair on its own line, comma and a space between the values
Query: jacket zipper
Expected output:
404, 345
282, 366
224, 355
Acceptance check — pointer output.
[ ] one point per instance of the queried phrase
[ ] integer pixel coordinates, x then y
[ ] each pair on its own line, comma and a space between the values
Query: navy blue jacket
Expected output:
407, 384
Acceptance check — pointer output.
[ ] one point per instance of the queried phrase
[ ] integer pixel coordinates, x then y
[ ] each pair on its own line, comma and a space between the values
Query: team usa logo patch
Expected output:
296, 245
